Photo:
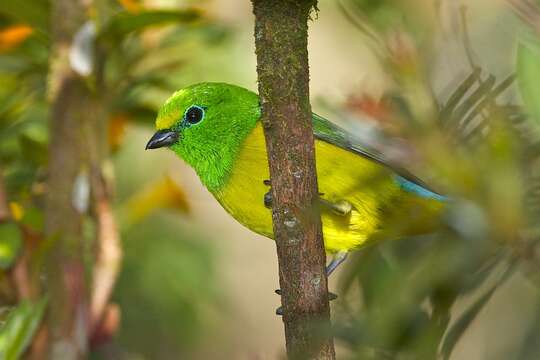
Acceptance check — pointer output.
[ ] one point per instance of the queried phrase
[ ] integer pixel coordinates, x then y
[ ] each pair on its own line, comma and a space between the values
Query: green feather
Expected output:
231, 113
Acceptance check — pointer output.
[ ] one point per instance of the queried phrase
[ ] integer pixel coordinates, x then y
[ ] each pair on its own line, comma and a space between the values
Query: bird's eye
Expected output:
194, 114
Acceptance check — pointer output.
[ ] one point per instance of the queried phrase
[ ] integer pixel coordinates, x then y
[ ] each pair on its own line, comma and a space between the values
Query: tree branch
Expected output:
282, 67
67, 188
109, 252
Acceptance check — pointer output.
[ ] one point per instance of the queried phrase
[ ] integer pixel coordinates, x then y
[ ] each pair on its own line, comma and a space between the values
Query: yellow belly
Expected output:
342, 175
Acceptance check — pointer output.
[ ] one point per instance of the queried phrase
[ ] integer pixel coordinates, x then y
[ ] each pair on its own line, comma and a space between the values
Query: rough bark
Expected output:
283, 74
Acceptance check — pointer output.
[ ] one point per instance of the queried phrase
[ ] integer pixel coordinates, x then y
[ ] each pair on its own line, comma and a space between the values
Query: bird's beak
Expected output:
162, 138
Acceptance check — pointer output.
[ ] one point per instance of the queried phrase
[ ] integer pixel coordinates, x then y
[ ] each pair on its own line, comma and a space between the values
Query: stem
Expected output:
282, 67
109, 252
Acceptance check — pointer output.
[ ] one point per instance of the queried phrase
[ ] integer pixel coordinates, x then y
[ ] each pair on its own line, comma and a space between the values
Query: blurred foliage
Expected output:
136, 55
482, 148
164, 193
10, 244
177, 278
19, 328
528, 72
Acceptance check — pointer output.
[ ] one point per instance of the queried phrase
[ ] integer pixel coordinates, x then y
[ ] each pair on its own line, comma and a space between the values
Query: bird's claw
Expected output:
268, 196
268, 200
342, 207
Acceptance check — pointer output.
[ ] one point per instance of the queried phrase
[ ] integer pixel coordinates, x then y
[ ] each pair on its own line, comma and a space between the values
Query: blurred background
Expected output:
435, 79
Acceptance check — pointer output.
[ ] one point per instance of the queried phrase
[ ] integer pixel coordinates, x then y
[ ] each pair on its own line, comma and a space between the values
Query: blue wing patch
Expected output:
416, 189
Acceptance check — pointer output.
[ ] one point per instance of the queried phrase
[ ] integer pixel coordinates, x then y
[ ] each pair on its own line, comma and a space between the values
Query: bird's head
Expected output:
205, 124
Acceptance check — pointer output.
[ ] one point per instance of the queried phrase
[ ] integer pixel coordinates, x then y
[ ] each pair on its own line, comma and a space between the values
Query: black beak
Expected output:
162, 138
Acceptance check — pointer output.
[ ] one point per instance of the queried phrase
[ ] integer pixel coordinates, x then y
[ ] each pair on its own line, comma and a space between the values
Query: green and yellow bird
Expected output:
216, 129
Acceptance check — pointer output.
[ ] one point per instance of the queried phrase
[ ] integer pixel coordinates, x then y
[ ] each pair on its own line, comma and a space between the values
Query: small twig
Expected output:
458, 94
108, 261
364, 28
488, 100
109, 249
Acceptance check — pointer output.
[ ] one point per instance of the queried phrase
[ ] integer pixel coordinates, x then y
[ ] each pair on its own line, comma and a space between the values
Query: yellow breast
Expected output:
342, 175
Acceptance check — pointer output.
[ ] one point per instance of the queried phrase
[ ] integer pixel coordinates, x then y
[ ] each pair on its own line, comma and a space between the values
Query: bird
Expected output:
216, 129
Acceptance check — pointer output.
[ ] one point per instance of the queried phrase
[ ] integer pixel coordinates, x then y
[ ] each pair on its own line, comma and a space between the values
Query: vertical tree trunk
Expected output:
68, 186
79, 194
282, 67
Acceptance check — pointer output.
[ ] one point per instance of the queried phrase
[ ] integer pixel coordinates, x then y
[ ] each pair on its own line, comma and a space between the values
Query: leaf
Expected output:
162, 194
528, 75
12, 36
10, 244
33, 218
19, 329
33, 149
132, 6
117, 129
448, 108
530, 348
124, 23
462, 323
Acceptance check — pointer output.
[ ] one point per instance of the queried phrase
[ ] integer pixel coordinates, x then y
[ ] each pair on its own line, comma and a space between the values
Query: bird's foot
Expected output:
342, 207
268, 196
279, 310
268, 200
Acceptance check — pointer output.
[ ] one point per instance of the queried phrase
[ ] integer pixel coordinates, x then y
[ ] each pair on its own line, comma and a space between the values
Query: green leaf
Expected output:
33, 218
124, 23
34, 150
10, 244
528, 75
462, 323
19, 329
530, 348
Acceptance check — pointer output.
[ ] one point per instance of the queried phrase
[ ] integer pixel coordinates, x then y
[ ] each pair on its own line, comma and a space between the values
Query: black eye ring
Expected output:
194, 115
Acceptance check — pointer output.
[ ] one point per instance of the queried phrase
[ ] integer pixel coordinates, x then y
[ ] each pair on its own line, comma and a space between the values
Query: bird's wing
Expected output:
329, 132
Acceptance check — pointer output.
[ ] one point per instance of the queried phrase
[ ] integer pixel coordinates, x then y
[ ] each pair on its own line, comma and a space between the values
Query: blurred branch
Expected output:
528, 11
362, 24
281, 48
68, 187
466, 39
109, 252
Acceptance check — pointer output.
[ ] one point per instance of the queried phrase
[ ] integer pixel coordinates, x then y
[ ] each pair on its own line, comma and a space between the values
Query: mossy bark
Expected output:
283, 73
